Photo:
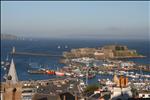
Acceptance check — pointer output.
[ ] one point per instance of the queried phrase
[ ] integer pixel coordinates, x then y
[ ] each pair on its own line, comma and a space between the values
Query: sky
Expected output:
76, 19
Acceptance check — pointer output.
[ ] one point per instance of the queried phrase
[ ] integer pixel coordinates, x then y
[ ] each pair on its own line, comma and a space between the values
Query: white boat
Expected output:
110, 73
146, 76
58, 47
66, 46
133, 76
67, 74
2, 62
81, 75
99, 80
4, 68
131, 72
100, 72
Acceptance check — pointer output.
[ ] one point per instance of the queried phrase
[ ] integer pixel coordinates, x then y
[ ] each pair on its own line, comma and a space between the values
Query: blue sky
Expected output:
76, 19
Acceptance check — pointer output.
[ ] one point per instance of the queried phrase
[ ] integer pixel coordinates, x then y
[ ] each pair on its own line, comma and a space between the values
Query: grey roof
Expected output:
45, 97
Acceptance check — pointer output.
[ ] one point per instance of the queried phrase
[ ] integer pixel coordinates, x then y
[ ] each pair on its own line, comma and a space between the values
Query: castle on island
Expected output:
106, 52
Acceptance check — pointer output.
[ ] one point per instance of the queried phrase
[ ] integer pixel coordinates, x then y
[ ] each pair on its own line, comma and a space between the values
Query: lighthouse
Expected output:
13, 50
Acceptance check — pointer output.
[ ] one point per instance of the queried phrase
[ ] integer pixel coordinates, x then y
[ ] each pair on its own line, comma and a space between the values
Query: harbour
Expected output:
75, 50
51, 63
52, 81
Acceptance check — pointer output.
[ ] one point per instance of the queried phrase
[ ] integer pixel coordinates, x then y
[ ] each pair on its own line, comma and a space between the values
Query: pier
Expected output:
32, 54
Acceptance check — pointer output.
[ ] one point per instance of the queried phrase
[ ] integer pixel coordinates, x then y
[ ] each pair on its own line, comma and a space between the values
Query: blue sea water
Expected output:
51, 46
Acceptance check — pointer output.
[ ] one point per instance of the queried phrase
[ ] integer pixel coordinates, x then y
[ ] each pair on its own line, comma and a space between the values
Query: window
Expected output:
143, 95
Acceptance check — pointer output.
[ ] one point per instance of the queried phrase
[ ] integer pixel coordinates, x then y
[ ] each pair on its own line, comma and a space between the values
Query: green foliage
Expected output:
134, 91
119, 48
91, 88
122, 48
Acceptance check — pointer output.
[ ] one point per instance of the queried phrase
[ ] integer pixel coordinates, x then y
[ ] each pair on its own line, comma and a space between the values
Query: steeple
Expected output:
12, 75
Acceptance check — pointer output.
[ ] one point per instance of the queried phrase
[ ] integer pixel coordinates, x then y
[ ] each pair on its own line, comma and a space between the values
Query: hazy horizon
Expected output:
76, 19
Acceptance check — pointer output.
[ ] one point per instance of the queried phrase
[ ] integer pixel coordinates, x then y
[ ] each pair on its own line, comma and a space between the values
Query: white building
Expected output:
144, 95
123, 94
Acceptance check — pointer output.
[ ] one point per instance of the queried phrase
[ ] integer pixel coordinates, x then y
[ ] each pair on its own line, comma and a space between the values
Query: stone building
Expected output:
106, 52
11, 89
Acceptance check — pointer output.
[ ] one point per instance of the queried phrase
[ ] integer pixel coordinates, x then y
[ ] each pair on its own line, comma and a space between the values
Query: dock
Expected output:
34, 54
14, 52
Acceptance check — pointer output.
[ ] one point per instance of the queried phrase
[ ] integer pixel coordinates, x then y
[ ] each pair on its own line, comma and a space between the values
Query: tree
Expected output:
91, 88
134, 91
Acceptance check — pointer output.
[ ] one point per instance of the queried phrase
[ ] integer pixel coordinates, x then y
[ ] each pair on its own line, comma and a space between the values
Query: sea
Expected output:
57, 47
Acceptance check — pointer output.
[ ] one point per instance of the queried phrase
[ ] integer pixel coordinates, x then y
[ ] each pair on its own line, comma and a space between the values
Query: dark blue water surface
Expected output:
51, 46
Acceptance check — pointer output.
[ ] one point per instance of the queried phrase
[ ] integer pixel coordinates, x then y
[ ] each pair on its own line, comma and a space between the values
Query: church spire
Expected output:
12, 74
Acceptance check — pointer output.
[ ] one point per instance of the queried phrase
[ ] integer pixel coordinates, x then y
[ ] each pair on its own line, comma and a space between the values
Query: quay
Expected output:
32, 54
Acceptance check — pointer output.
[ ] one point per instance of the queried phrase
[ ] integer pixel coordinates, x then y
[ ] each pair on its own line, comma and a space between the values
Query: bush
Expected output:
91, 88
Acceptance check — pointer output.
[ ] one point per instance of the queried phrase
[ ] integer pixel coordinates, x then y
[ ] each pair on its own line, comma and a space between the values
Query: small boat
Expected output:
42, 69
67, 74
58, 47
34, 65
133, 76
66, 46
36, 72
5, 68
59, 73
80, 75
2, 62
2, 66
99, 80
